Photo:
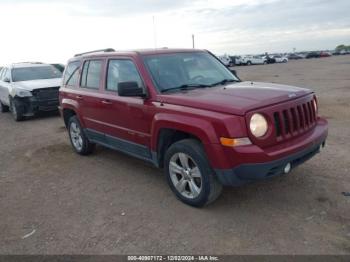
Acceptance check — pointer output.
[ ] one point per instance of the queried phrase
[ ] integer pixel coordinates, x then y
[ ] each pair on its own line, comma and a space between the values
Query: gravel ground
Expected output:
53, 201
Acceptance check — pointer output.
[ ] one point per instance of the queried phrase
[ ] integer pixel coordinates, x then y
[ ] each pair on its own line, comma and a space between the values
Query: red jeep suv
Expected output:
184, 111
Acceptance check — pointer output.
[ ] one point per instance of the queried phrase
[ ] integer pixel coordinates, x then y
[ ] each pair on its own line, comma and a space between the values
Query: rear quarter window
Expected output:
71, 75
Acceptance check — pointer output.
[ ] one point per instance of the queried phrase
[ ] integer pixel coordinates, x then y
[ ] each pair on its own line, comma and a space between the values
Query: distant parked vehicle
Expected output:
26, 88
313, 55
269, 59
254, 60
238, 60
325, 54
280, 59
226, 60
233, 60
294, 57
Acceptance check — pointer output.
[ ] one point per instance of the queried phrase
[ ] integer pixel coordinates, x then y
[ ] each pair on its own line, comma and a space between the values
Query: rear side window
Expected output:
91, 74
71, 74
121, 71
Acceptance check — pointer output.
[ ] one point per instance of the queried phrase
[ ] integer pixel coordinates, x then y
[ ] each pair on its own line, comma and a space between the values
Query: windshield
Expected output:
35, 73
197, 69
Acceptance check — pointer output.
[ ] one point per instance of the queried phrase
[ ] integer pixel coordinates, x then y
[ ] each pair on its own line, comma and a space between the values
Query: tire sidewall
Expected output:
203, 165
16, 109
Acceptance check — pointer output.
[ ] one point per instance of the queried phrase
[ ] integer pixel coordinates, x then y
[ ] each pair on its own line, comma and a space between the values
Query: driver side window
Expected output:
121, 70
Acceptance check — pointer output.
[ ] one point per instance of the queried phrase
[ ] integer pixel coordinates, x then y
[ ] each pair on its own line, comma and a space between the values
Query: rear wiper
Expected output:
222, 82
185, 87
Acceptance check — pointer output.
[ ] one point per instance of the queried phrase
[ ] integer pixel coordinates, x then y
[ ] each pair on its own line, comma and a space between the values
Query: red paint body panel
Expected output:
207, 114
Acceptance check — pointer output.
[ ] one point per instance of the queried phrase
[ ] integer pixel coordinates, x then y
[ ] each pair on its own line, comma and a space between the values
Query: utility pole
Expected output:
192, 41
154, 33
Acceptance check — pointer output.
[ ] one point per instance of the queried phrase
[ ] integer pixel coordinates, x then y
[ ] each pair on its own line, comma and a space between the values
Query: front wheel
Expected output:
16, 109
189, 174
78, 139
3, 108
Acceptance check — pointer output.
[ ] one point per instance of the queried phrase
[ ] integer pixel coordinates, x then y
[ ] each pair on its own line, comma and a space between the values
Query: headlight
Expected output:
23, 93
258, 125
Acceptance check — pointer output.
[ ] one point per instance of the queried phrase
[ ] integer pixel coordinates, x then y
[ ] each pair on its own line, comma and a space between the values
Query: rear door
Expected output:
89, 95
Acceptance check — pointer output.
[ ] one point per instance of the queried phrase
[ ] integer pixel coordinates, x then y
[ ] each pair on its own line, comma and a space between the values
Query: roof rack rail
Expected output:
96, 51
27, 62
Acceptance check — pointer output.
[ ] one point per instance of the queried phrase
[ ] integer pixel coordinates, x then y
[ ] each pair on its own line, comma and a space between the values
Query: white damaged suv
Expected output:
26, 88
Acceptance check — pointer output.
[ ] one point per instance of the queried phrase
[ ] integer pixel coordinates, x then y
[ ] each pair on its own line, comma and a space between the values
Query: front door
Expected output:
127, 120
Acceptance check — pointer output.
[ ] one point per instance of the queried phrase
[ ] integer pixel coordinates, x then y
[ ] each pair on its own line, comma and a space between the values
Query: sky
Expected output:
53, 31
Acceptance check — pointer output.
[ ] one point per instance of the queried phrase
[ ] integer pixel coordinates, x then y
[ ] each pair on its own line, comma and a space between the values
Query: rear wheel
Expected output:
16, 109
3, 108
78, 139
189, 174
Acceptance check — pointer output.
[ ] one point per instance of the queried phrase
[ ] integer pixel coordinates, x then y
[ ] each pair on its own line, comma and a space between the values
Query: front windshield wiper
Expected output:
185, 87
224, 81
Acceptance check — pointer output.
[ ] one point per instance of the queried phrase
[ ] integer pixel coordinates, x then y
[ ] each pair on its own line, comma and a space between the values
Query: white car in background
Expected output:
226, 60
280, 59
26, 88
253, 60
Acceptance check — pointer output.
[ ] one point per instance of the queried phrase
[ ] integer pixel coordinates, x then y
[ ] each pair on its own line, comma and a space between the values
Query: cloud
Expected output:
223, 26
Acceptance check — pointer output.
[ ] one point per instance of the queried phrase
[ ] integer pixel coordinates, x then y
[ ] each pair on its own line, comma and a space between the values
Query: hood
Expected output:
235, 98
37, 84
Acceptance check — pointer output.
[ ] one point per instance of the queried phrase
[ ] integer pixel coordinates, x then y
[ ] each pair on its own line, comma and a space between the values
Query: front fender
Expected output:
199, 128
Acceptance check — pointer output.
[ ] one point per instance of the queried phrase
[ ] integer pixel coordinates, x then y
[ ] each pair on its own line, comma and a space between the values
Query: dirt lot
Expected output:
53, 201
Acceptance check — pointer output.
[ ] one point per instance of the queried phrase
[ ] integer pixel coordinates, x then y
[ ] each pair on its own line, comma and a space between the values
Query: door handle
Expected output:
106, 102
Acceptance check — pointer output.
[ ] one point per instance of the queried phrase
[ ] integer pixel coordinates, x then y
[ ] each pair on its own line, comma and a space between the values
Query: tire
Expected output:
195, 185
249, 63
3, 108
78, 139
17, 109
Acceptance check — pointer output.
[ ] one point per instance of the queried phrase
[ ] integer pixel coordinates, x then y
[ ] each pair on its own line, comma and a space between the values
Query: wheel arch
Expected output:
168, 129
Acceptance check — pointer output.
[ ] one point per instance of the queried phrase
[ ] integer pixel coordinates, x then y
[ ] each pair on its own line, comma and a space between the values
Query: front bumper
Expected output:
31, 105
247, 173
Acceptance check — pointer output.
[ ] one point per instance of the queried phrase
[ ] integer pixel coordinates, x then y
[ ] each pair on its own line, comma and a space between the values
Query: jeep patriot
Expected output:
185, 112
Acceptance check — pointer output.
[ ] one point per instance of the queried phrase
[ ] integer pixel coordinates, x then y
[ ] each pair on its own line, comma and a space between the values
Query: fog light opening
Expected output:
287, 168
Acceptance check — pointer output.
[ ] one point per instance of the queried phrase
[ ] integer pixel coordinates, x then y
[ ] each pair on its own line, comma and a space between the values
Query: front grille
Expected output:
45, 94
294, 120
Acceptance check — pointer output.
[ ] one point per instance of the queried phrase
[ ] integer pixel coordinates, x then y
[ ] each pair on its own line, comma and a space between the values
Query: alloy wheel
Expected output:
75, 134
185, 175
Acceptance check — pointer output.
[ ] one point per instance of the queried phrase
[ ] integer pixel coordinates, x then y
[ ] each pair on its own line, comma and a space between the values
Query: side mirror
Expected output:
130, 89
7, 80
